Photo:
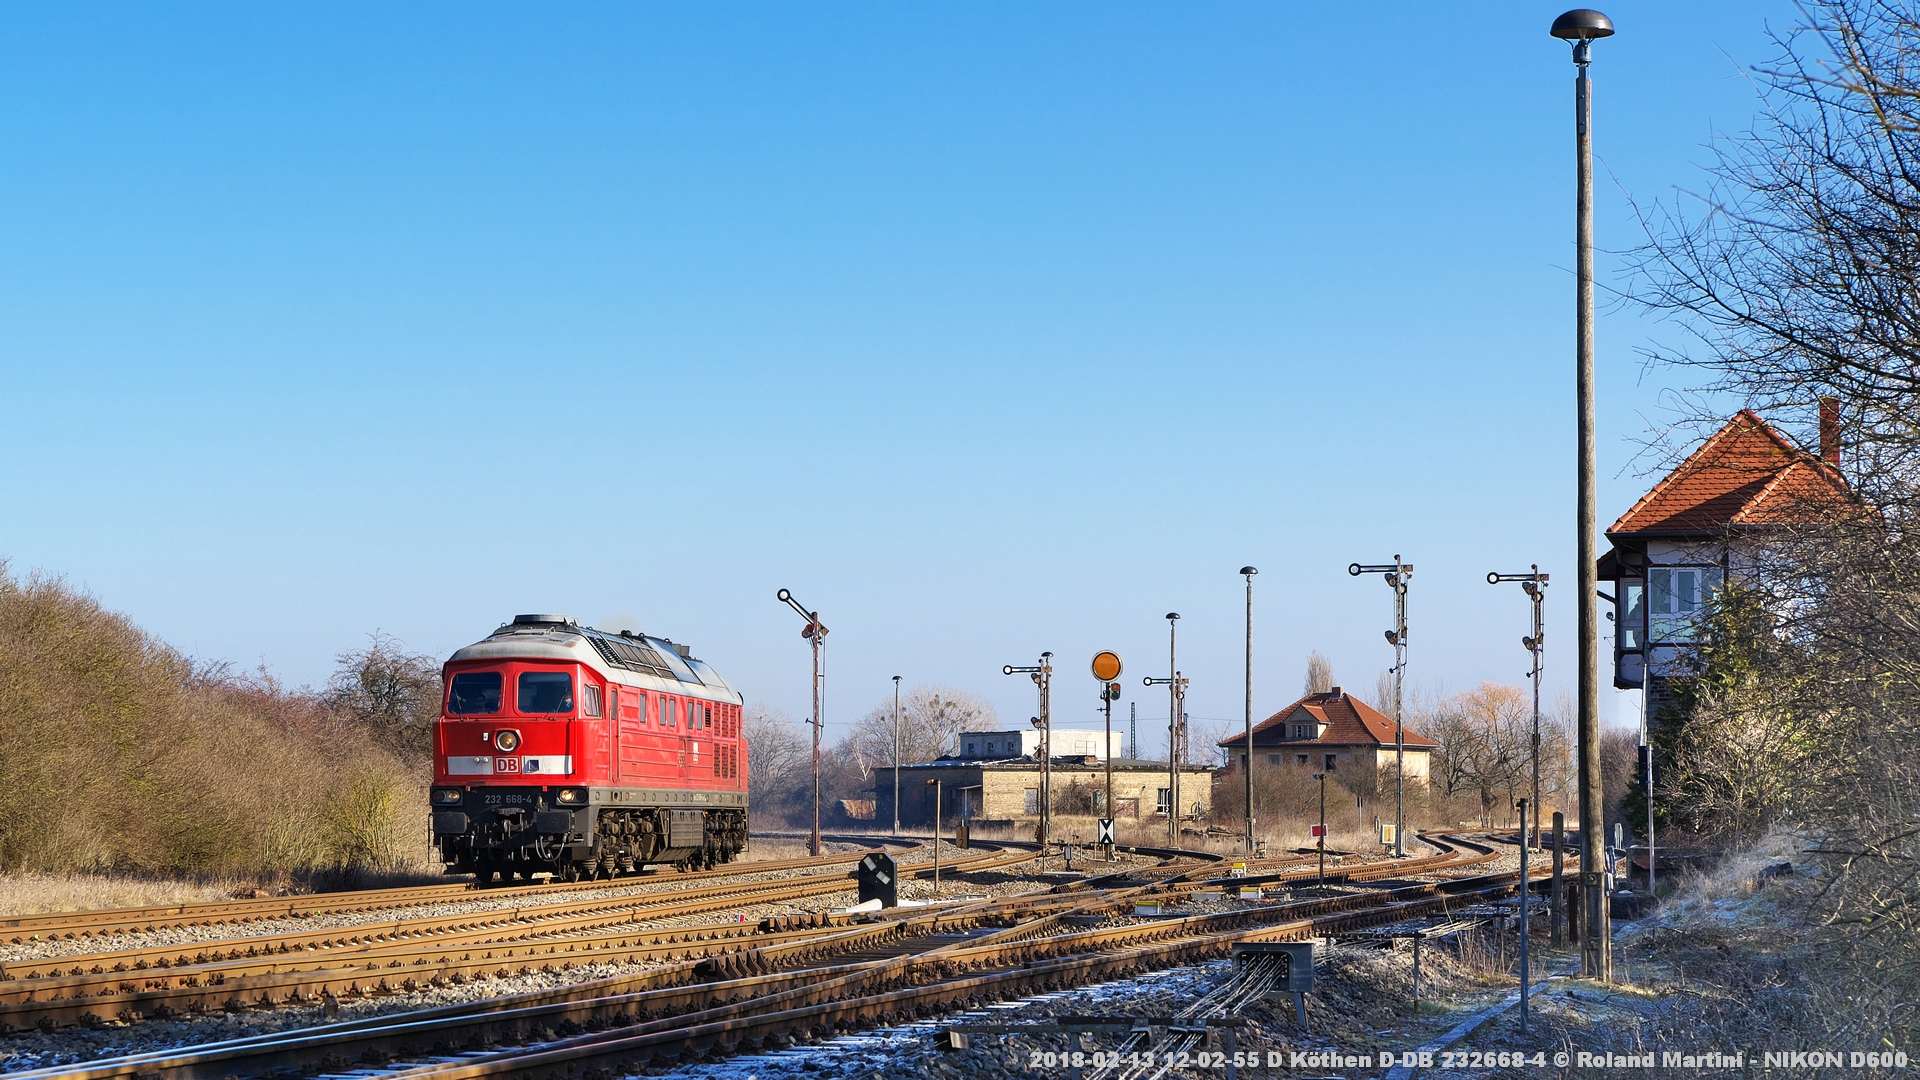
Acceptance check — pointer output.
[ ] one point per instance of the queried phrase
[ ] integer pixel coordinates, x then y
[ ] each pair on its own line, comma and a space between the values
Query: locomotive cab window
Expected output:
590, 700
546, 692
474, 693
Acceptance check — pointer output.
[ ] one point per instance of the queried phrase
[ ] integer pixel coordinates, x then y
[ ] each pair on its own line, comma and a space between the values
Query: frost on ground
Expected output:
1362, 1002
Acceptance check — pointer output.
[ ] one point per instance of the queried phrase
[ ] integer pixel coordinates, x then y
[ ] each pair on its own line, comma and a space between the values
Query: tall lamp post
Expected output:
1580, 27
1248, 572
1535, 586
1174, 684
1396, 574
815, 632
1043, 678
896, 755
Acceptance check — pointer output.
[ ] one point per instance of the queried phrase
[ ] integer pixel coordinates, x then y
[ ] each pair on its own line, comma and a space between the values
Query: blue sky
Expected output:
987, 329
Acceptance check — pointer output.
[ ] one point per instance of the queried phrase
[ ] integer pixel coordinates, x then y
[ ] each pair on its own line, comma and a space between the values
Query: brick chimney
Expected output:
1830, 430
1338, 692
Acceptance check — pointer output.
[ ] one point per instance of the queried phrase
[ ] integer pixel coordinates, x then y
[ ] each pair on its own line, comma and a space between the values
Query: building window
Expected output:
1099, 801
1299, 731
1163, 800
970, 750
1676, 599
1300, 758
1632, 629
1273, 759
1331, 759
1033, 800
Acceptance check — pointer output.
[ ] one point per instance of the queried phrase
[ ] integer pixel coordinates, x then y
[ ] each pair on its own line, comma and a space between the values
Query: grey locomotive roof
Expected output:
628, 658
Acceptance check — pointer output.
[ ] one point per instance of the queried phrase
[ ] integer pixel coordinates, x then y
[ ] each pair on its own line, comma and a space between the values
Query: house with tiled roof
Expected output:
1703, 523
1333, 732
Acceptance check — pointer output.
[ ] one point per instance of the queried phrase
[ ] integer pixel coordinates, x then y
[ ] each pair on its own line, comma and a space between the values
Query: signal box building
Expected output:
1705, 523
1334, 733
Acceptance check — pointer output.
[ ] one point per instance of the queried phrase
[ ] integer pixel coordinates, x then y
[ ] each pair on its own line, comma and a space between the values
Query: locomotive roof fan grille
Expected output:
631, 653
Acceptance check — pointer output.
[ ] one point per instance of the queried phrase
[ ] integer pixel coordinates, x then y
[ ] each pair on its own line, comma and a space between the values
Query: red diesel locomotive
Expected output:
566, 750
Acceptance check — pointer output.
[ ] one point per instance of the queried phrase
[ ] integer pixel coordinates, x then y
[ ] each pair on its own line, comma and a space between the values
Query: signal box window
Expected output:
474, 693
546, 692
1633, 621
1676, 599
590, 700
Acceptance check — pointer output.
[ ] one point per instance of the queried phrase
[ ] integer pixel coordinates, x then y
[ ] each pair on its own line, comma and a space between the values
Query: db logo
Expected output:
506, 764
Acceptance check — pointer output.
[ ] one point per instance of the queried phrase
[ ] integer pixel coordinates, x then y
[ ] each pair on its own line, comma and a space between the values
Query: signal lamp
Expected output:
507, 741
446, 796
572, 795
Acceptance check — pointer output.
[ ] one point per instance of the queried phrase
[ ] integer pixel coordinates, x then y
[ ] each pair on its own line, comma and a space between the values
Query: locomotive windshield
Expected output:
475, 693
546, 691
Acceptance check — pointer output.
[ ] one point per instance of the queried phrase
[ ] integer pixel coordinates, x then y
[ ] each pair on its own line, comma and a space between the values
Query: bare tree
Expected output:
931, 719
1319, 673
392, 693
1383, 693
779, 761
1794, 274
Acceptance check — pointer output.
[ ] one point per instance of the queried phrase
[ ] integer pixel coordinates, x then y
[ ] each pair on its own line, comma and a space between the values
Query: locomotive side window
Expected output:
590, 700
669, 708
474, 693
546, 692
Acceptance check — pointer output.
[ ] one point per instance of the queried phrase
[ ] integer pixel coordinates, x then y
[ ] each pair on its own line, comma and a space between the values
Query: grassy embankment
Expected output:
136, 775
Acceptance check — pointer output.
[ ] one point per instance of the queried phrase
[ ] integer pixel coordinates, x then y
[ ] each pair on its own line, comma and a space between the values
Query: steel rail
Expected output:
294, 978
728, 1026
24, 928
542, 1013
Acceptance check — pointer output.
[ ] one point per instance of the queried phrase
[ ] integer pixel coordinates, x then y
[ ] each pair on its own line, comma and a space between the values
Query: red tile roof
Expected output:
1746, 474
1349, 721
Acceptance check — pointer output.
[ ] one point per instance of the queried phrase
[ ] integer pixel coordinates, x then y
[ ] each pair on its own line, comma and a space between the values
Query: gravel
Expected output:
893, 1052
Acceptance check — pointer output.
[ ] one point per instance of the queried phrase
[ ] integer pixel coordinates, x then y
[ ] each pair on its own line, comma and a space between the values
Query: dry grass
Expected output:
769, 849
33, 894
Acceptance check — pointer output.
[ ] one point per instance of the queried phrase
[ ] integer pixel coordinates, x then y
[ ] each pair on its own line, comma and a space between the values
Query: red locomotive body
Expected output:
566, 750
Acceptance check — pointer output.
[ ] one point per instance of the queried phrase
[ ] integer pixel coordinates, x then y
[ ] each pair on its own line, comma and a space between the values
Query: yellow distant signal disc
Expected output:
1106, 665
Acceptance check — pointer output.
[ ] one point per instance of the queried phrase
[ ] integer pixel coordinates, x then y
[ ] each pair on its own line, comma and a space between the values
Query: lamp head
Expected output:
896, 680
1248, 571
1582, 24
1173, 616
1008, 670
783, 596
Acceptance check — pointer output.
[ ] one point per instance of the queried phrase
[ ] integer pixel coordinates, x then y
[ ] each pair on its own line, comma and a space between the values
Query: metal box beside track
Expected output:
1294, 957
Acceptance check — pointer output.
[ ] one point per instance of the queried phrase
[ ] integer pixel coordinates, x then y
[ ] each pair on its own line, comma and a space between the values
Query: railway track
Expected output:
20, 929
811, 981
303, 967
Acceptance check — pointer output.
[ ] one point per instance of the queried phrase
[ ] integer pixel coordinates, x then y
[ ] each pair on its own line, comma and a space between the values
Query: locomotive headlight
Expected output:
571, 796
446, 796
506, 741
